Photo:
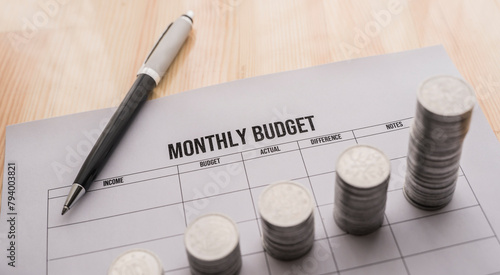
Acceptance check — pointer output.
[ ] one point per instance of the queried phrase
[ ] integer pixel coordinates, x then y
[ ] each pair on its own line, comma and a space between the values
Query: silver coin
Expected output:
441, 123
425, 202
212, 245
287, 212
446, 96
361, 189
289, 235
430, 117
211, 237
136, 262
288, 252
285, 204
363, 166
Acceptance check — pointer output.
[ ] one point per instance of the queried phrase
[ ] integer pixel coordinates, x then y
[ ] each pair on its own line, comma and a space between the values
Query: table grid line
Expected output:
114, 247
254, 210
397, 245
449, 246
367, 265
116, 215
480, 206
381, 133
47, 240
119, 185
182, 196
316, 206
354, 135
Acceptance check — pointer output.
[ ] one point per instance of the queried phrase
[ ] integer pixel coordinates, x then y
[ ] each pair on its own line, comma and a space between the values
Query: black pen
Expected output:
148, 77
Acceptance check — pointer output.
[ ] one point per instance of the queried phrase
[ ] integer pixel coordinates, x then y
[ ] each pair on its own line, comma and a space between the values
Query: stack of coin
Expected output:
361, 189
213, 246
442, 119
136, 261
286, 209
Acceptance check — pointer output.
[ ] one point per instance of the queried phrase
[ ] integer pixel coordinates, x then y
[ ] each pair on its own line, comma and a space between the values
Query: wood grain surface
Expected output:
60, 57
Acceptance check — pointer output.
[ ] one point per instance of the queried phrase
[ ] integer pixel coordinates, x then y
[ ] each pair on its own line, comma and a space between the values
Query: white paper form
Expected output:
214, 149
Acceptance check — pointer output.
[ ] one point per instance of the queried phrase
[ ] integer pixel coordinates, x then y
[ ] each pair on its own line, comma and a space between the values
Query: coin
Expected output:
442, 119
363, 166
287, 212
212, 245
136, 262
285, 204
446, 96
362, 179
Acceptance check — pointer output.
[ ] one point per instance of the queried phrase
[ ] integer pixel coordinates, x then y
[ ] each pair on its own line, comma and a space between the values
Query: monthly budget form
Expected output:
214, 149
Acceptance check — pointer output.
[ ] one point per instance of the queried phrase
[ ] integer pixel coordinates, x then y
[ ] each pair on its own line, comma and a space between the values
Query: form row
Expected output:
257, 167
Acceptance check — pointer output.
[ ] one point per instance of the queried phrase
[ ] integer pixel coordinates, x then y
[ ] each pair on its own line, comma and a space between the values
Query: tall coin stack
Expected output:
362, 180
287, 213
442, 119
212, 245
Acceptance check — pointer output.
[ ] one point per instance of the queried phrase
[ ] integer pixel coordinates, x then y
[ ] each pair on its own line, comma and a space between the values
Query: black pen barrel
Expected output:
115, 129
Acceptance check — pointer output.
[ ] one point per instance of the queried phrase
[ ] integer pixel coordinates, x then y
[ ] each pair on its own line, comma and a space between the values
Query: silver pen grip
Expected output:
166, 48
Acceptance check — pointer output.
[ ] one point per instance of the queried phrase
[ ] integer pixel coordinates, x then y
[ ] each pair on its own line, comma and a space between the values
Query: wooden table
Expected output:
60, 57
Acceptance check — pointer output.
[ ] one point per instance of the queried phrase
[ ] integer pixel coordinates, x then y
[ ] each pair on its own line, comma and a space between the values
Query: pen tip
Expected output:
64, 210
190, 14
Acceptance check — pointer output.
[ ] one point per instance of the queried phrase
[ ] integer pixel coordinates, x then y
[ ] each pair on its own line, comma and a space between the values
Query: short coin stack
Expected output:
136, 261
441, 122
362, 180
212, 245
286, 209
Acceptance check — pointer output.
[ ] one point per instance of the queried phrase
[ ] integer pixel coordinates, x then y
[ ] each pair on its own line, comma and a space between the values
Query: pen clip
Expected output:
157, 42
